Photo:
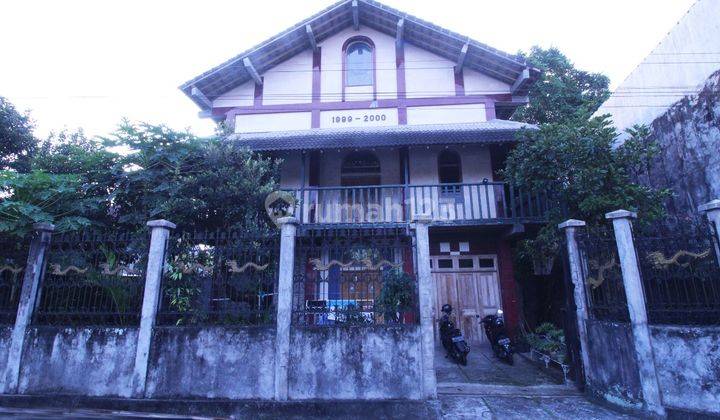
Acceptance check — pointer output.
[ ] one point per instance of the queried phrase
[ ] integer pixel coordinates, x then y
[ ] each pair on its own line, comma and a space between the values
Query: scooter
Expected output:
495, 331
452, 339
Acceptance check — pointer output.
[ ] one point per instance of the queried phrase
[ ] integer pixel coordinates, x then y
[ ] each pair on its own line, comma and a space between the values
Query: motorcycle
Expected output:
452, 339
494, 326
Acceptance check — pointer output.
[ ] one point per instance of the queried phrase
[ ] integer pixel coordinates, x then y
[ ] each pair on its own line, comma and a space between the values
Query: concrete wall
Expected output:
84, 361
677, 66
613, 373
688, 136
475, 162
688, 365
212, 362
355, 363
5, 338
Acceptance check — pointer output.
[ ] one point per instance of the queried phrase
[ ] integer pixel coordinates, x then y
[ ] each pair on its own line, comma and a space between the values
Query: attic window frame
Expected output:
346, 45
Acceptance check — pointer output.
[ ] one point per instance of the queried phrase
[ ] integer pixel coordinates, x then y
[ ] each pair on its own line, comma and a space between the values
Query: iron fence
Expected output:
680, 267
602, 275
355, 277
13, 258
219, 277
93, 278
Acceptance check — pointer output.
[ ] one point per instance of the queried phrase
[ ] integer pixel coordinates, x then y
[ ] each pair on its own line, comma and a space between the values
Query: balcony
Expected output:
447, 204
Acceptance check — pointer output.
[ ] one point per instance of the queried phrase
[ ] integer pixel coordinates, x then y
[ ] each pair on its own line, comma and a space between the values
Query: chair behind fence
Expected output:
219, 277
348, 277
93, 278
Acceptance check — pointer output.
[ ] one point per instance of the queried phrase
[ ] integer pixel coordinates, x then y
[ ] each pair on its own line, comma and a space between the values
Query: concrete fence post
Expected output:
635, 295
712, 211
288, 231
425, 292
160, 233
576, 274
34, 270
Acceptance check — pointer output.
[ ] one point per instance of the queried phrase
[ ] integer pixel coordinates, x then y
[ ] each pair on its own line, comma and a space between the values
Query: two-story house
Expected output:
379, 117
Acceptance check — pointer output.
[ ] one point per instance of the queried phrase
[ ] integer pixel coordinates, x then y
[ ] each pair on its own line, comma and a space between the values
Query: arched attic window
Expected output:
359, 62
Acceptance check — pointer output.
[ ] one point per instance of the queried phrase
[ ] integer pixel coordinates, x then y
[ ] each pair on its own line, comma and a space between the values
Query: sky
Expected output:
89, 63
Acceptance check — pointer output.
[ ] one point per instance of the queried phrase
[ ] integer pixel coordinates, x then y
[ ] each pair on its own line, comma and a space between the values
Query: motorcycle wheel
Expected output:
509, 359
463, 359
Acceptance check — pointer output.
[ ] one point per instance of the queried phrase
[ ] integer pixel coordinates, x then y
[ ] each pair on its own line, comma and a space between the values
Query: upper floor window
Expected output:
449, 170
359, 63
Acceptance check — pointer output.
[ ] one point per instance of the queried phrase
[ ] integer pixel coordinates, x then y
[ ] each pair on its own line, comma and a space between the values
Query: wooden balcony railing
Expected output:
479, 203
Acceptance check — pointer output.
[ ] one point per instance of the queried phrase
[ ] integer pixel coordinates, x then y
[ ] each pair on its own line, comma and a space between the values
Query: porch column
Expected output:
712, 211
288, 230
159, 235
34, 270
576, 274
635, 295
425, 292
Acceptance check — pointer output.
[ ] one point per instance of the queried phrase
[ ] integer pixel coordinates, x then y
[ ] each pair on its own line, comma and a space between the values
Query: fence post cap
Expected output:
571, 223
424, 218
713, 205
161, 223
621, 214
44, 227
287, 220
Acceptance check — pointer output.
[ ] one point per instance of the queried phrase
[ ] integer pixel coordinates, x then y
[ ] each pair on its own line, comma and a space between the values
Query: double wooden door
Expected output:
470, 284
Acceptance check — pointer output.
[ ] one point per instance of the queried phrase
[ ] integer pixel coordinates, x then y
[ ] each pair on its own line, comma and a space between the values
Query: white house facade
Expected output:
380, 117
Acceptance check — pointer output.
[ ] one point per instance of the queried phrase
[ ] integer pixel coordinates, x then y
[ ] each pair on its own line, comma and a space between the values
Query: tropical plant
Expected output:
17, 142
397, 294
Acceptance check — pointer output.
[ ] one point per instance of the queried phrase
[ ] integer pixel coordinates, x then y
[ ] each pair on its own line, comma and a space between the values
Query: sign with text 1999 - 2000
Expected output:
359, 118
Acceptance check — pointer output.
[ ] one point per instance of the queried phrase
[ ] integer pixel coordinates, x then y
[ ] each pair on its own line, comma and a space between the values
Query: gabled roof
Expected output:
506, 67
487, 132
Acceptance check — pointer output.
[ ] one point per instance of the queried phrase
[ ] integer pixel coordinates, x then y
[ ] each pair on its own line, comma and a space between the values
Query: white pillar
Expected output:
151, 298
635, 294
712, 211
579, 292
425, 292
288, 230
34, 270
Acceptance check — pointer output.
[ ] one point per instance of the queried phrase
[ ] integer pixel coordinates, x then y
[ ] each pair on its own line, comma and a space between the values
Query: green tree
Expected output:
579, 163
17, 142
37, 196
194, 182
563, 93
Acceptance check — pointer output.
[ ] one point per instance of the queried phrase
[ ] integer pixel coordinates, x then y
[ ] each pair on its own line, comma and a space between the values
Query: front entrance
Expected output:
470, 284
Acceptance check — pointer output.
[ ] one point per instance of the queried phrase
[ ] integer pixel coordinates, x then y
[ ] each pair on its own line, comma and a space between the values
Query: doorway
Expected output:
470, 284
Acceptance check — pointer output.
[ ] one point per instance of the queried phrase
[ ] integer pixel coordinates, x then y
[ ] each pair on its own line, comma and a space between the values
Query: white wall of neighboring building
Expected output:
677, 67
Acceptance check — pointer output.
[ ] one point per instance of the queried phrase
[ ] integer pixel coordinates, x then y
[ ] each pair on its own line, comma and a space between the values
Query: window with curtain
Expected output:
358, 64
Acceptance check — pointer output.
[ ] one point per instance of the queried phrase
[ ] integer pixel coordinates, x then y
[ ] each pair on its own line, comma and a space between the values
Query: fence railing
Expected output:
13, 257
343, 279
219, 277
446, 203
680, 273
93, 278
602, 275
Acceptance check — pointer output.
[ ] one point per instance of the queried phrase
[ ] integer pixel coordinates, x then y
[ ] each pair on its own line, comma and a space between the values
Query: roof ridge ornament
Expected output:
356, 14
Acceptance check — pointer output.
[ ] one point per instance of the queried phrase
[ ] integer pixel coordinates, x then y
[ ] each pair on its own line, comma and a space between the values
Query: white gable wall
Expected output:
332, 66
289, 82
427, 75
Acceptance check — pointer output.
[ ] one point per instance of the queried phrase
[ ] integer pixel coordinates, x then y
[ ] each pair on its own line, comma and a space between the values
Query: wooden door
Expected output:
470, 284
